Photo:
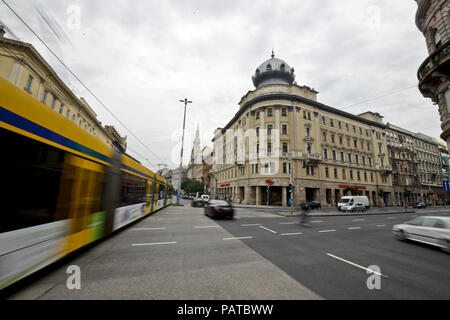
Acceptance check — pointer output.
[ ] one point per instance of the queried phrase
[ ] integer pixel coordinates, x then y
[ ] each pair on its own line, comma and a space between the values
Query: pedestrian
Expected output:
304, 216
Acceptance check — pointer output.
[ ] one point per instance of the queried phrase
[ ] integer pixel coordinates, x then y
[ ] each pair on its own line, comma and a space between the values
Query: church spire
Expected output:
273, 55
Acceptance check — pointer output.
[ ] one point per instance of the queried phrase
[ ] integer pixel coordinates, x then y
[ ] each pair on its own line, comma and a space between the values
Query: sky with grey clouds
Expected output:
141, 57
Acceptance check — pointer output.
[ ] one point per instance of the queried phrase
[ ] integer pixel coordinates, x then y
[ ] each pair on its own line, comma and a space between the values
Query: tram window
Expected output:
133, 190
31, 175
162, 191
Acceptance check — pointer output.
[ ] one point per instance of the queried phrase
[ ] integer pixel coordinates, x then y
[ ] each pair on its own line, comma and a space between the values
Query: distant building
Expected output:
23, 66
433, 20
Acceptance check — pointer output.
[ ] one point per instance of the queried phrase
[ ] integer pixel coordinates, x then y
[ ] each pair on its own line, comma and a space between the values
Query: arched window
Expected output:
282, 67
269, 67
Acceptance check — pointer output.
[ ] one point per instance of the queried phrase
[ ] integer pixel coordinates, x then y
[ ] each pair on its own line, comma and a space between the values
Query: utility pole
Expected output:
291, 181
185, 101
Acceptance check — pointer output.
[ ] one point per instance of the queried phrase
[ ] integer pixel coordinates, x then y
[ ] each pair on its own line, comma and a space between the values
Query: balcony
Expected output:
434, 70
313, 158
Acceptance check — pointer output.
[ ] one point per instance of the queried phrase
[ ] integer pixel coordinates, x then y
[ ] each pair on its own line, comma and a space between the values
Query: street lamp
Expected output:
185, 101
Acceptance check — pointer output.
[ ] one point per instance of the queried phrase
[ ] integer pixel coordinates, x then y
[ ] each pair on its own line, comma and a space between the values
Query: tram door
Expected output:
149, 197
79, 196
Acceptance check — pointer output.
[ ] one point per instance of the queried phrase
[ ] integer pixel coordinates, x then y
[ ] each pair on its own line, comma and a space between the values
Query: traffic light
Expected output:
290, 188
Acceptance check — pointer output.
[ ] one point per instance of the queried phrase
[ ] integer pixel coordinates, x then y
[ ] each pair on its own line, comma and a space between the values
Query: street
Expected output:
178, 253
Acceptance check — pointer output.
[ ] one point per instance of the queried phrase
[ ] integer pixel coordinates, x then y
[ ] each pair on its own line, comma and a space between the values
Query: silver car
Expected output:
426, 229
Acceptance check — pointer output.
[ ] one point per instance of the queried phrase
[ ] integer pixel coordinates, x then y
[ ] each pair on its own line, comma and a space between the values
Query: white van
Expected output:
205, 197
351, 200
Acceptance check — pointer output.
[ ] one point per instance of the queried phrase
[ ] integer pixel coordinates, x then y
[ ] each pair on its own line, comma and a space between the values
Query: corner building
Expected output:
329, 150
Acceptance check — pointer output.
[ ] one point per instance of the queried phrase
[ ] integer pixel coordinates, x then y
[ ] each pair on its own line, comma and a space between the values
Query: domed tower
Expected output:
273, 71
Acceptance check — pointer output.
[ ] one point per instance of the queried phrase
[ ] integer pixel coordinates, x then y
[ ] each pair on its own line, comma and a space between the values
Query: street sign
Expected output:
446, 185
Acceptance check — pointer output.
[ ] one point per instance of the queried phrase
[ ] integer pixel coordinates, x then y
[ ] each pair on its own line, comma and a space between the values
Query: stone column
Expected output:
284, 196
258, 195
333, 198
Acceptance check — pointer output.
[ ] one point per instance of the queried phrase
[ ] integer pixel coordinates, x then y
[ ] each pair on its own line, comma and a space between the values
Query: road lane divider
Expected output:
354, 264
358, 219
288, 222
268, 229
238, 238
316, 221
354, 228
331, 230
152, 243
250, 225
205, 227
291, 234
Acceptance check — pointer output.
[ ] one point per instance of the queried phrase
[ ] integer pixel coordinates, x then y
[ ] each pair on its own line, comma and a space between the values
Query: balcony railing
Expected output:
433, 61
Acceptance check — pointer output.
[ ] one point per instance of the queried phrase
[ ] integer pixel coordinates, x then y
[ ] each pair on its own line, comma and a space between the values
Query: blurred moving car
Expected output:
426, 229
355, 207
310, 205
197, 202
219, 209
419, 205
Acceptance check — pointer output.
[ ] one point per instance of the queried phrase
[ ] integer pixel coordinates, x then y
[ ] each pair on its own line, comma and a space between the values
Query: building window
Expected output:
371, 177
370, 161
61, 108
367, 132
340, 140
269, 112
331, 123
284, 129
323, 121
257, 115
269, 148
368, 146
327, 173
334, 154
284, 167
354, 129
344, 176
364, 160
285, 147
332, 138
339, 125
307, 132
304, 115
355, 143
325, 154
283, 112
356, 159
325, 137
44, 97
29, 83
358, 175
350, 157
257, 148
346, 126
308, 148
68, 113
53, 102
309, 115
360, 131
335, 173
269, 129
257, 131
351, 174
73, 118
342, 157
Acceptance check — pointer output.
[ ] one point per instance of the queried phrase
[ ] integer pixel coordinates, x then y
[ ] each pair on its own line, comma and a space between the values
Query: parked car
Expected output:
420, 205
426, 229
197, 202
310, 205
219, 209
355, 207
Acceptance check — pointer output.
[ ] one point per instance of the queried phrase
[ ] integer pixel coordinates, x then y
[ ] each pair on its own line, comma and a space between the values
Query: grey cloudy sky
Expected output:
142, 57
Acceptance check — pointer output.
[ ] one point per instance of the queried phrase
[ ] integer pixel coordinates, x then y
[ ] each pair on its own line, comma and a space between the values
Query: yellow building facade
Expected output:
328, 150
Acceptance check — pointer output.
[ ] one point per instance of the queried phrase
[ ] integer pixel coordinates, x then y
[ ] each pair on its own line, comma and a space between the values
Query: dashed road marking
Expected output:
151, 244
250, 224
354, 228
316, 221
354, 264
331, 230
358, 219
204, 227
291, 234
139, 229
267, 229
381, 225
238, 238
288, 222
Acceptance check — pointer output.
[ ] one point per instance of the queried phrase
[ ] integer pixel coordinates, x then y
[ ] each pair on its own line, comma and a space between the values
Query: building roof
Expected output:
273, 71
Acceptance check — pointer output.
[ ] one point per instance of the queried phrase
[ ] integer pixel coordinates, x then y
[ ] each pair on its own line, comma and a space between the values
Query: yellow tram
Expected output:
61, 187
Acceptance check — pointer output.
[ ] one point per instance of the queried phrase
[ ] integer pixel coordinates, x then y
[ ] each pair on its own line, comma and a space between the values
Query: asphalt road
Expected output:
178, 253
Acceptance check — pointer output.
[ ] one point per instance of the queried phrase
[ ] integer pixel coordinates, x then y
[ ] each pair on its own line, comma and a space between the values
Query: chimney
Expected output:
2, 31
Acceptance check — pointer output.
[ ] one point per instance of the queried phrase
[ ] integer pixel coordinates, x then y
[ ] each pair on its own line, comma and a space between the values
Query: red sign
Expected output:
343, 186
225, 185
270, 182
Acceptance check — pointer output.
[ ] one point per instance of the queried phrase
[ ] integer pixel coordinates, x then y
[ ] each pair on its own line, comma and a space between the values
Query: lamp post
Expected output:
185, 101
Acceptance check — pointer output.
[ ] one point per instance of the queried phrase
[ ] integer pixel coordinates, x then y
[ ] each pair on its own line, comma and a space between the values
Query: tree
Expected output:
192, 186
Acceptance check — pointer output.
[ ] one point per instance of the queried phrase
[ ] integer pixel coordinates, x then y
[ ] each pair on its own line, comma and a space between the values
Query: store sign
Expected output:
225, 185
344, 186
270, 182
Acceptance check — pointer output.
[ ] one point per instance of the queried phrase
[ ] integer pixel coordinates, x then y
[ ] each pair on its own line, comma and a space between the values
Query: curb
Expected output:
340, 214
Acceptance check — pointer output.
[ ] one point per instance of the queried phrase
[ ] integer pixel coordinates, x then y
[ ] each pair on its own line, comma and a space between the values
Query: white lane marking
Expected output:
204, 227
139, 229
356, 265
151, 244
267, 229
381, 225
354, 228
250, 225
291, 234
238, 238
358, 219
288, 222
332, 230
316, 221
